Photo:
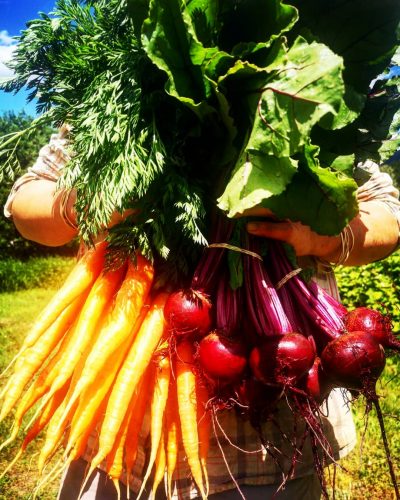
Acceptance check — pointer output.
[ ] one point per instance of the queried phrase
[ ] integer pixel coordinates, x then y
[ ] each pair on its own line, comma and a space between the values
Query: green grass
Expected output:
367, 473
17, 311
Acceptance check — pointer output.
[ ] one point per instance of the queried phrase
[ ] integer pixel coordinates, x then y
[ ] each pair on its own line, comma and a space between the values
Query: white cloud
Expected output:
5, 38
6, 54
7, 47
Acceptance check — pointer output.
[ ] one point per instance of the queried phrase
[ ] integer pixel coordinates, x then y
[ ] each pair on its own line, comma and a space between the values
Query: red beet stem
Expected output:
375, 402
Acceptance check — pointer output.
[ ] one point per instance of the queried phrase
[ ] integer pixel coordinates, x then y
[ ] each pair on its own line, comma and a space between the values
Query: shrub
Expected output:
375, 285
42, 272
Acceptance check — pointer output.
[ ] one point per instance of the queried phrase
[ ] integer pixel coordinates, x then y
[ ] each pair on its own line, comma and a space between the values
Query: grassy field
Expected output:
17, 310
366, 476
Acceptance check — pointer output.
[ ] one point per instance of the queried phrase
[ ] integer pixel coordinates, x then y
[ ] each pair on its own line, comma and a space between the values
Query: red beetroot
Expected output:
188, 312
222, 358
373, 322
316, 382
256, 400
354, 360
282, 359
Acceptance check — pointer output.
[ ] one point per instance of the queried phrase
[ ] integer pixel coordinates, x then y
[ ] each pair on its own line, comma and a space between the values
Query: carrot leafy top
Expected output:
179, 107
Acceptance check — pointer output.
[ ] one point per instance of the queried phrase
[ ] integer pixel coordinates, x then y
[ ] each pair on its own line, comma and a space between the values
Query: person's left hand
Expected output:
302, 238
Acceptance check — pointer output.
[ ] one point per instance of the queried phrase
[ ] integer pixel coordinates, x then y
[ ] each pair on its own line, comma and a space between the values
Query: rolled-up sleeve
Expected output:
50, 161
377, 186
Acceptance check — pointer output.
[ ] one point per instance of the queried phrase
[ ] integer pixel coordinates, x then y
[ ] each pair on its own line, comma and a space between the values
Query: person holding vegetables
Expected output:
44, 214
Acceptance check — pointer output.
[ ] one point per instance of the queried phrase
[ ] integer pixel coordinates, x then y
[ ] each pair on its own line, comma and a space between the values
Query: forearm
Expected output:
375, 235
36, 212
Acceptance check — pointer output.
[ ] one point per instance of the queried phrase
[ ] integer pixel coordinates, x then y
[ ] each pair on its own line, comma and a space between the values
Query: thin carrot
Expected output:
136, 427
114, 462
135, 364
80, 279
115, 459
84, 425
59, 421
35, 391
34, 357
171, 435
53, 438
39, 424
44, 382
129, 301
85, 331
95, 397
187, 404
158, 404
203, 426
160, 464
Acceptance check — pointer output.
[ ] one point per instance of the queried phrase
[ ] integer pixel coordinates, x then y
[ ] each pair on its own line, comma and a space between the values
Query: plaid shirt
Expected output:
246, 461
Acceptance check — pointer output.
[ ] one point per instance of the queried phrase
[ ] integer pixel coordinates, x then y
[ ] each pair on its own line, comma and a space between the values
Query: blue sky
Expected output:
14, 15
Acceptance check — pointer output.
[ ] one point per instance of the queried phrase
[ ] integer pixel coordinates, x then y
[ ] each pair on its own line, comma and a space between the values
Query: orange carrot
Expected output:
159, 467
80, 279
95, 397
39, 424
204, 426
187, 404
171, 435
35, 391
34, 357
86, 329
53, 438
115, 459
114, 463
126, 312
59, 422
135, 364
158, 404
43, 383
136, 429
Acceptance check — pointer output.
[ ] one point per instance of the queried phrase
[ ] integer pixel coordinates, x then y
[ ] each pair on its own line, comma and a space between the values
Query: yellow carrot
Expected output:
80, 279
34, 357
39, 424
159, 467
35, 391
59, 422
158, 404
86, 329
187, 404
115, 459
126, 312
171, 435
204, 426
135, 364
135, 427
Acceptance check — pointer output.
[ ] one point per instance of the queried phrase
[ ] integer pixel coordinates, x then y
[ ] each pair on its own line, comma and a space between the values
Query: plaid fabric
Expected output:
235, 450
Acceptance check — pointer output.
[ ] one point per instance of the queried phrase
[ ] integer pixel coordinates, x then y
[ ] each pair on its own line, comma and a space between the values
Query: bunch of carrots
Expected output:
108, 344
86, 368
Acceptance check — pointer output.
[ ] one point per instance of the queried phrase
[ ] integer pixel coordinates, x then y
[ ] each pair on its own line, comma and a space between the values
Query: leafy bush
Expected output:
375, 285
34, 272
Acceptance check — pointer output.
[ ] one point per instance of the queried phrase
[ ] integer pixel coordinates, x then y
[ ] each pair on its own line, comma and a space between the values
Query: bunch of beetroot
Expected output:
257, 342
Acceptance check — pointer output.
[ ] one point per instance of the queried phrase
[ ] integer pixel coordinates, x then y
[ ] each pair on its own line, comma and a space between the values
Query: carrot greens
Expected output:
176, 106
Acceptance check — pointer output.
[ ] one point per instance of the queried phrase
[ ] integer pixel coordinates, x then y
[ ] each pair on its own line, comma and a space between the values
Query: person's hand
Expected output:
302, 238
